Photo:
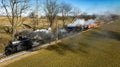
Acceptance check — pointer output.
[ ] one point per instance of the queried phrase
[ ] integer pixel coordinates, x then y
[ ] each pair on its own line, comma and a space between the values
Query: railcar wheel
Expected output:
8, 52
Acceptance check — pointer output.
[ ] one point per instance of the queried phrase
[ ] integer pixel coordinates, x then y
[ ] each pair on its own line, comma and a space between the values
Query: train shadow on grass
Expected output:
107, 34
62, 48
77, 47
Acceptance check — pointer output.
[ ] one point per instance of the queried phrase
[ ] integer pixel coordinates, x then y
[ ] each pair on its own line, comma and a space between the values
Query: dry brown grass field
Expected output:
42, 22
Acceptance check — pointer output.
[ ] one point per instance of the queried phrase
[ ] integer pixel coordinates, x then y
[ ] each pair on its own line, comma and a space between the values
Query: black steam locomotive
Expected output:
25, 40
16, 46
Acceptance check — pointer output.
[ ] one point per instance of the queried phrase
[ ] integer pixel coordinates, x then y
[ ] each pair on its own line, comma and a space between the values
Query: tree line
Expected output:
15, 9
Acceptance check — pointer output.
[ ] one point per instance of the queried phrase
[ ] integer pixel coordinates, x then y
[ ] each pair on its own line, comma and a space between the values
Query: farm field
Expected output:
99, 47
42, 22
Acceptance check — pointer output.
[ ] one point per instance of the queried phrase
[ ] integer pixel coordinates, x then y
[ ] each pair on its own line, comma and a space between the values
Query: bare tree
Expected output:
65, 9
75, 13
33, 15
14, 10
51, 8
34, 20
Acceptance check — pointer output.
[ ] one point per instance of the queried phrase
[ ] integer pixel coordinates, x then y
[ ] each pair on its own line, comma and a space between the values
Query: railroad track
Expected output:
2, 55
4, 58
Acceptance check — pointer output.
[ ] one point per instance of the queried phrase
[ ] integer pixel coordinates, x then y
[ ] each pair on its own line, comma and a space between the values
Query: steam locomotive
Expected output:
26, 40
36, 38
16, 46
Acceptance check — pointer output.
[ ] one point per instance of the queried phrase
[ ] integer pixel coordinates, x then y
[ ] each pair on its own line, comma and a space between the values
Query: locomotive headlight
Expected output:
15, 42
